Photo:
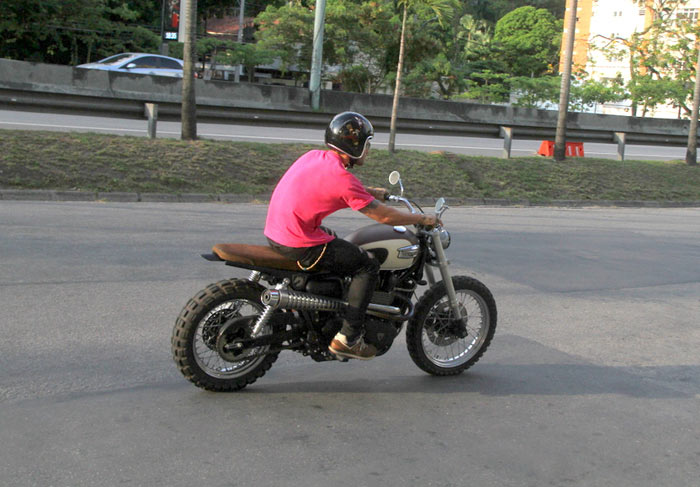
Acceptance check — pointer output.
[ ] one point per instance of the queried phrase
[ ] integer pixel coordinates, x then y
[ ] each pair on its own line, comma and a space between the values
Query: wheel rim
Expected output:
204, 348
445, 349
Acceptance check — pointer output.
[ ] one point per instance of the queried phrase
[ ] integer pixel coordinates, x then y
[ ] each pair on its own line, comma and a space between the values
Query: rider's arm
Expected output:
379, 193
382, 213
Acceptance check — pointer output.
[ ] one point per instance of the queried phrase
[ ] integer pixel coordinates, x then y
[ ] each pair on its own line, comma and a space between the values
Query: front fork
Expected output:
443, 264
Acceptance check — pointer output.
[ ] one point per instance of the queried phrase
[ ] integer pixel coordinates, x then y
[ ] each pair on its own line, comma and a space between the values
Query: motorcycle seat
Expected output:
254, 255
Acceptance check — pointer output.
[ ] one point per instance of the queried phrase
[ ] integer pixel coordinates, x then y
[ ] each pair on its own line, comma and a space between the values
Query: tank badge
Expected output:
400, 229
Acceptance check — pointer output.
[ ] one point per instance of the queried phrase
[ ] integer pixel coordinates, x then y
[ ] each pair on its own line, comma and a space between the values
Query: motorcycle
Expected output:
230, 333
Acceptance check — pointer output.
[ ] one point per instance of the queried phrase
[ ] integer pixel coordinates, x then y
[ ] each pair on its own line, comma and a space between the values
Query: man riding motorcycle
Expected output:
316, 185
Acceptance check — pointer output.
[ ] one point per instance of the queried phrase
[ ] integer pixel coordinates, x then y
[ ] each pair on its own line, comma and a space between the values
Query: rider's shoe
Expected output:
340, 347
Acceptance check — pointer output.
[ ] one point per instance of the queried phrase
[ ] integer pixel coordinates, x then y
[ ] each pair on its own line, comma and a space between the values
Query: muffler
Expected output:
287, 299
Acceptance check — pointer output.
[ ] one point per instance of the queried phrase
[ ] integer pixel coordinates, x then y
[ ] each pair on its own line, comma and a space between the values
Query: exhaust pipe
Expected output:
286, 299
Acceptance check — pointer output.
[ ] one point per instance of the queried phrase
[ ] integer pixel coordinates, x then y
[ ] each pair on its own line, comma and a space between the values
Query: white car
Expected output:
139, 63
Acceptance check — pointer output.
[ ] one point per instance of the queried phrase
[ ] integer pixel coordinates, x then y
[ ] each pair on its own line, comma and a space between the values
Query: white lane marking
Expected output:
296, 139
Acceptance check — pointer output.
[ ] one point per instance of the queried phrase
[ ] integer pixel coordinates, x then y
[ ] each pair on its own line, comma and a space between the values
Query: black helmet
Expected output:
349, 133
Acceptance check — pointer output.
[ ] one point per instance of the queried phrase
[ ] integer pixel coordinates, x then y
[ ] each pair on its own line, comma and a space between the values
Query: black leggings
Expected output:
346, 259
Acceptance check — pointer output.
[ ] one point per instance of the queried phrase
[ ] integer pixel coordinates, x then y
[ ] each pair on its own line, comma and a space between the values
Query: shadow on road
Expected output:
492, 379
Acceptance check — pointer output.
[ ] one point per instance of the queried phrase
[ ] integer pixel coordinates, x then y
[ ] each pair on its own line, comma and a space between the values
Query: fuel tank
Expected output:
395, 247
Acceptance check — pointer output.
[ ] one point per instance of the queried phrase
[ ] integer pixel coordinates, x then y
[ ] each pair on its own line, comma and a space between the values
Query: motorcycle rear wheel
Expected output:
196, 330
434, 344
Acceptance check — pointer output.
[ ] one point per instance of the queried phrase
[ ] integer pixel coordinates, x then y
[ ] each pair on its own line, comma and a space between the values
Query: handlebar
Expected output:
401, 199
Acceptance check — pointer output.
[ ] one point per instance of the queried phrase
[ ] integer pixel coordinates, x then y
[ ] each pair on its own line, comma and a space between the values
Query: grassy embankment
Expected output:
108, 163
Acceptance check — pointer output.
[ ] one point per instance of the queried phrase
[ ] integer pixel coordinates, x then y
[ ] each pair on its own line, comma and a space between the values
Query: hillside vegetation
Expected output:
109, 163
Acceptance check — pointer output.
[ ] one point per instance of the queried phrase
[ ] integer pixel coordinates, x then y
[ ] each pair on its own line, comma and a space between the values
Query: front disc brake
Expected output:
441, 328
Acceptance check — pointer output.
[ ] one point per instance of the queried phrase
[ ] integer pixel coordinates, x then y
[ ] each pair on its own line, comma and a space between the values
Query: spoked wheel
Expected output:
217, 316
442, 345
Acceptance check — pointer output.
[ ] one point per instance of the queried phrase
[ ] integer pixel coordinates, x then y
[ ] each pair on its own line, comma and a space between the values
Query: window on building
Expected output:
687, 14
642, 12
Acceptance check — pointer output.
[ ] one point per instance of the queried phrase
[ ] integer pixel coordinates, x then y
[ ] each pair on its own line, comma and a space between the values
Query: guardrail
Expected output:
64, 89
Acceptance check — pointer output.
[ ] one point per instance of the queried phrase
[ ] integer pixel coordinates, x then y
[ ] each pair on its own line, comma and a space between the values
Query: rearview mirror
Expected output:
439, 205
394, 177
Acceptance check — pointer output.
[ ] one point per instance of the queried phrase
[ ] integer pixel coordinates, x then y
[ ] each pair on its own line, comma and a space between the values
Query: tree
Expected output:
361, 35
442, 9
487, 87
249, 55
660, 56
442, 57
492, 10
78, 31
529, 39
585, 93
189, 104
358, 38
287, 30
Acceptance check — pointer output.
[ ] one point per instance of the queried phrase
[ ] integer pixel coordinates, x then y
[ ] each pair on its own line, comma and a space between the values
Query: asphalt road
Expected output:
22, 120
593, 378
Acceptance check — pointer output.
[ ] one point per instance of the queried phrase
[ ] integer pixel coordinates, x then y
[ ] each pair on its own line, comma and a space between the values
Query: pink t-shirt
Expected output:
315, 186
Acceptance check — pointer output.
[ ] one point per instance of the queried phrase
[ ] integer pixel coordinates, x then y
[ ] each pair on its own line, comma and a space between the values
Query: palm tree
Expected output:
189, 104
443, 10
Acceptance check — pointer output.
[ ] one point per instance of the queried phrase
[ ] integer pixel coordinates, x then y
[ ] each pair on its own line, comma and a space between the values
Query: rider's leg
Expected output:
346, 258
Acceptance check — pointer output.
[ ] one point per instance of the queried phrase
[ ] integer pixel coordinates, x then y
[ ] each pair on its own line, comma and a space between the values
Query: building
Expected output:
599, 20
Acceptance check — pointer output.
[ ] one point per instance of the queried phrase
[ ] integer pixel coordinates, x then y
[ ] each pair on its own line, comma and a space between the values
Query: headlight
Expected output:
445, 238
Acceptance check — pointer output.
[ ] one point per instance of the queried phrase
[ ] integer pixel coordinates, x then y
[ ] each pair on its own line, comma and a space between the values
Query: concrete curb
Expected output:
56, 195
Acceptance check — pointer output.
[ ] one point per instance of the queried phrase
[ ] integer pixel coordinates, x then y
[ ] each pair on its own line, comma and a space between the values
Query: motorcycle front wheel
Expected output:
194, 339
440, 345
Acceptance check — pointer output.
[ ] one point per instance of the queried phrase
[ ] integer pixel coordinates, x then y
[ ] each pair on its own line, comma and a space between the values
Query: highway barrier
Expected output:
64, 89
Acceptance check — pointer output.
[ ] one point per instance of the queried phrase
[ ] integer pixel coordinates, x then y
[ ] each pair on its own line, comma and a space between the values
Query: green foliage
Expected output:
287, 30
249, 55
487, 87
492, 10
661, 57
535, 92
530, 39
584, 93
589, 92
95, 162
78, 31
651, 91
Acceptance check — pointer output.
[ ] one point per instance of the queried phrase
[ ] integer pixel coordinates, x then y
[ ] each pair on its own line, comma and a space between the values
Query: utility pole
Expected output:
189, 104
163, 44
691, 155
560, 140
239, 68
317, 55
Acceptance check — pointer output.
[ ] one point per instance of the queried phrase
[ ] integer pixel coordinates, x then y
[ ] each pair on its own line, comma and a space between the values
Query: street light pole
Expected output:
317, 55
239, 68
560, 140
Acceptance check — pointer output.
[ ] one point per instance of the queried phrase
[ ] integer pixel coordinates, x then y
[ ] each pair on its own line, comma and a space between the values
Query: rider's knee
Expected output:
371, 263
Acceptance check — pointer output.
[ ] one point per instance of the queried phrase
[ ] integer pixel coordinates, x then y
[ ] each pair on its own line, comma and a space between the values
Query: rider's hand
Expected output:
430, 221
380, 193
